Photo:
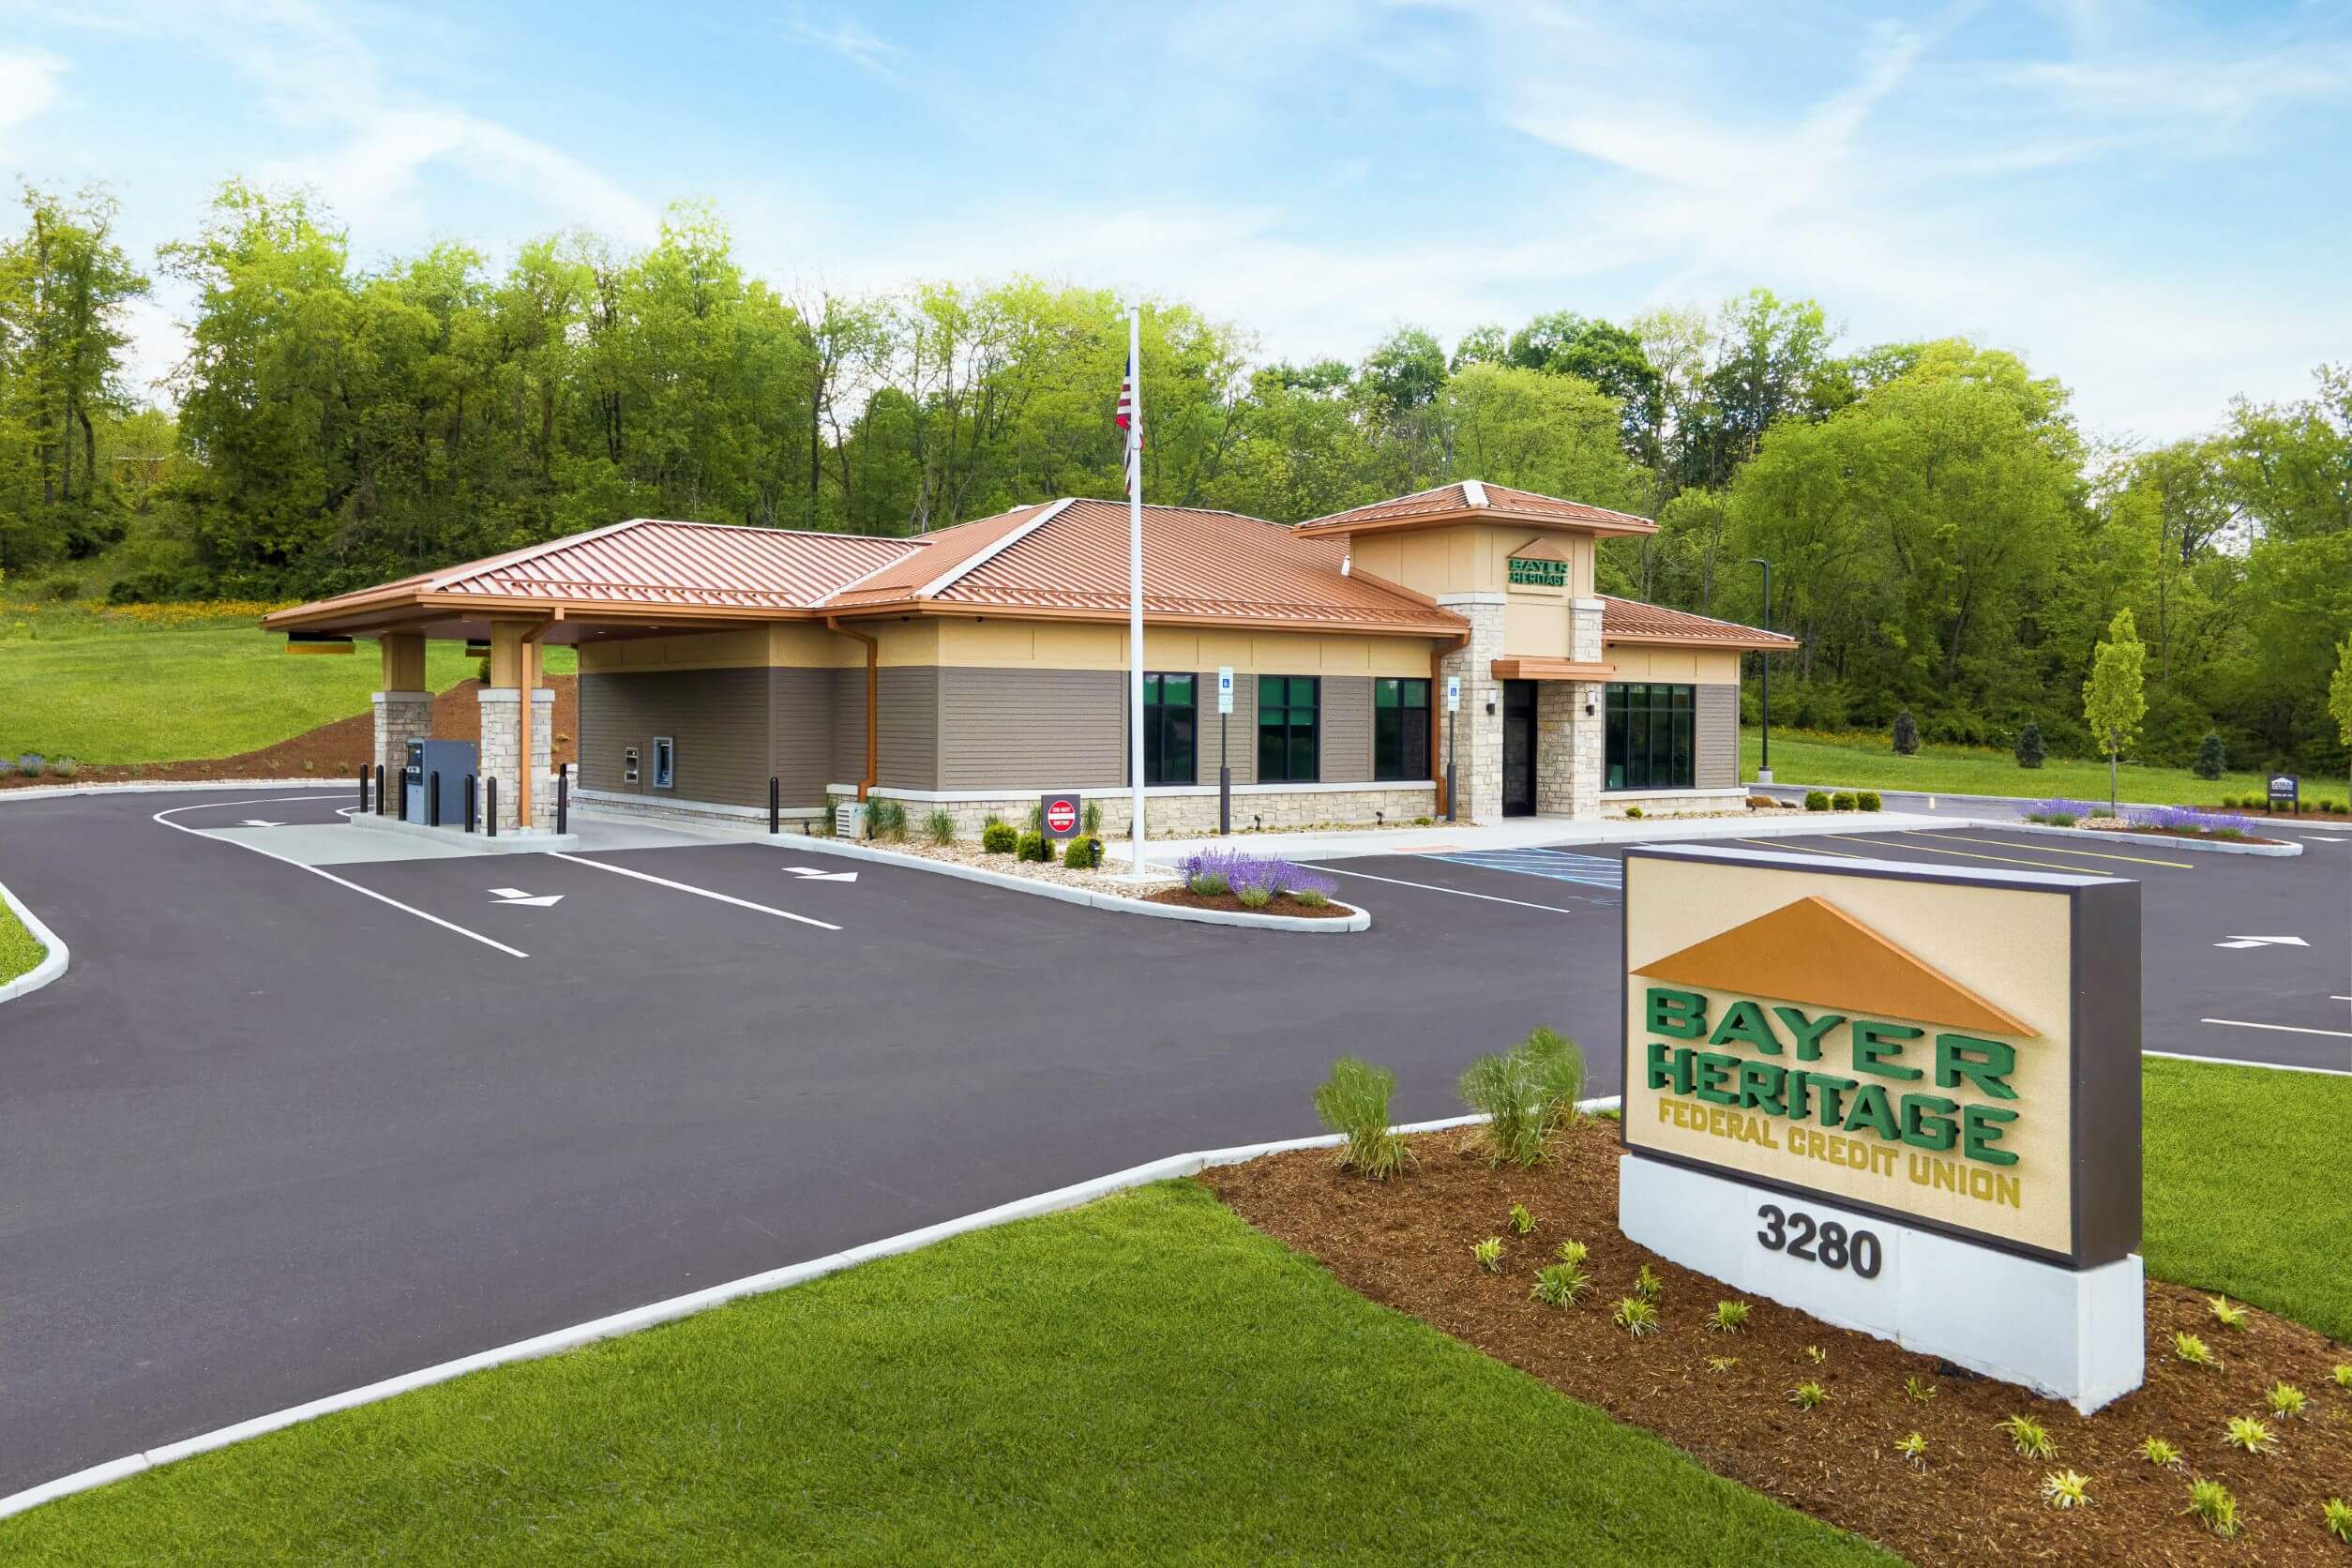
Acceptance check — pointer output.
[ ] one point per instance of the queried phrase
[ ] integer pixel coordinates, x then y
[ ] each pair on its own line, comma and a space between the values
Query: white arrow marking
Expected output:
2264, 941
256, 821
809, 874
509, 895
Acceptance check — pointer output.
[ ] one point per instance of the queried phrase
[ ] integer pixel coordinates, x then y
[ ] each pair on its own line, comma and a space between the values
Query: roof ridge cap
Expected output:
1474, 492
988, 552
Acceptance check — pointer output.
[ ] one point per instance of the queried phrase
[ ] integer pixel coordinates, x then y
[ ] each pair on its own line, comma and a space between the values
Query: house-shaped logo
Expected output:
1811, 951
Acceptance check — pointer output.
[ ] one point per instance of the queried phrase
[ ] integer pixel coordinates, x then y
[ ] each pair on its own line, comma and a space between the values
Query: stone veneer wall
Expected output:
1190, 814
1477, 752
1677, 803
402, 716
500, 752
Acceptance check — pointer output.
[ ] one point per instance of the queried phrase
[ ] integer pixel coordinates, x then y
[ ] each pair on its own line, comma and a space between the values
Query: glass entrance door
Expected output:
1518, 749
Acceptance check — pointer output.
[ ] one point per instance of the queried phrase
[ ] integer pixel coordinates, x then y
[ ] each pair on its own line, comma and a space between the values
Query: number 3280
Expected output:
1826, 1242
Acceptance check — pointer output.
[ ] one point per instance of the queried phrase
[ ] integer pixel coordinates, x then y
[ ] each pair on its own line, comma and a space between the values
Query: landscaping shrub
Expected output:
886, 819
1817, 801
1906, 736
1212, 873
1528, 1093
999, 839
65, 767
1037, 846
2058, 812
2211, 760
1353, 1102
32, 764
1842, 801
1255, 896
940, 826
2229, 802
2029, 746
1083, 854
1633, 813
1867, 800
1090, 819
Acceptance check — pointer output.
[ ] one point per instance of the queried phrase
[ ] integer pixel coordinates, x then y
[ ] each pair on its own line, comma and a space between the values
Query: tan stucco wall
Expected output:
1470, 558
1637, 661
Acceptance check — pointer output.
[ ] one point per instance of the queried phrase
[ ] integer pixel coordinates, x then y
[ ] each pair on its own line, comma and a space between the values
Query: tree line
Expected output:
1944, 537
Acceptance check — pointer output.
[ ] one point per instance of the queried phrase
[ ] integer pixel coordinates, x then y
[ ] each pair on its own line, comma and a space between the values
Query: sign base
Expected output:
2076, 1335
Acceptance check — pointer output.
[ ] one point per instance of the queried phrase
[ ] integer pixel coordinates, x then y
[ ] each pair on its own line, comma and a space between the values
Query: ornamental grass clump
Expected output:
940, 826
2066, 1489
2189, 1347
1559, 1284
2157, 1452
1647, 1284
1353, 1102
1918, 1390
1528, 1092
2335, 1517
2249, 1436
1523, 1221
2229, 1314
2028, 1436
1488, 1253
1571, 1253
2343, 1374
886, 819
1729, 1317
1638, 1319
1914, 1451
1808, 1396
2286, 1400
2212, 1505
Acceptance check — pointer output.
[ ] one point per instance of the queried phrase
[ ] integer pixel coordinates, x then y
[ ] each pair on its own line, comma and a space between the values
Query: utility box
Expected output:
848, 819
454, 760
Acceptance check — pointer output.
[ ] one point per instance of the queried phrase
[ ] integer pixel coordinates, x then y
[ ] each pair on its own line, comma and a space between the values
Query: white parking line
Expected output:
2281, 1028
165, 818
1432, 887
698, 892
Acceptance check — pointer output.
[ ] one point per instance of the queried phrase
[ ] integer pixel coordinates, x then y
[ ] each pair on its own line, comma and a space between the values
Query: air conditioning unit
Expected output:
848, 819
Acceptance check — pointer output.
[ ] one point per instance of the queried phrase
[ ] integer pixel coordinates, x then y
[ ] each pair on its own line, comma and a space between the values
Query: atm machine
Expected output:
454, 760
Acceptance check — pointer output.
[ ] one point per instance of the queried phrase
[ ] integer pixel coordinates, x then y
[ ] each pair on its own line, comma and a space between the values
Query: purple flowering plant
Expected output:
1253, 879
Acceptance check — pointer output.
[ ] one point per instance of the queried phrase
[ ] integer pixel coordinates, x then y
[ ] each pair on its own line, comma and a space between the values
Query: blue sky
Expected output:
2147, 201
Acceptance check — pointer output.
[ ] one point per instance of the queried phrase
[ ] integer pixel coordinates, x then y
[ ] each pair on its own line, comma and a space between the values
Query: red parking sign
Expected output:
1062, 815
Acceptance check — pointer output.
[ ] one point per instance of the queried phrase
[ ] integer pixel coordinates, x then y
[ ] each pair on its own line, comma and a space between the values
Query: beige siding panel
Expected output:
716, 719
908, 731
1715, 737
800, 729
1242, 726
1346, 752
1031, 728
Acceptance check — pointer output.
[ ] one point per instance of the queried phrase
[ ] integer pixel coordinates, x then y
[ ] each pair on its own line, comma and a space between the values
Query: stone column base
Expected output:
402, 716
501, 754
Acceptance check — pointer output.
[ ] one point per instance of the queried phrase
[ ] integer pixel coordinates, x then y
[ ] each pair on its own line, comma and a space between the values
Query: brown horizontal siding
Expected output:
1345, 754
849, 726
800, 733
1715, 737
907, 726
1242, 725
1031, 729
717, 719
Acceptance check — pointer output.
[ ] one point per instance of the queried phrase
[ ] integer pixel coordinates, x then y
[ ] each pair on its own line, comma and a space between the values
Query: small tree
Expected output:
2211, 760
2340, 698
2115, 698
2029, 746
1906, 733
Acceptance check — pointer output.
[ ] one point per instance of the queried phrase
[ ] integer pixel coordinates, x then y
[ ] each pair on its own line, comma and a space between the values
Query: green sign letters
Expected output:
1535, 573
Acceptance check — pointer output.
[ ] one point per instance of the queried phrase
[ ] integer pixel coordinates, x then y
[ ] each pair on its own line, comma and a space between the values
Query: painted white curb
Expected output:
2207, 846
512, 842
49, 968
1170, 1169
134, 786
1358, 919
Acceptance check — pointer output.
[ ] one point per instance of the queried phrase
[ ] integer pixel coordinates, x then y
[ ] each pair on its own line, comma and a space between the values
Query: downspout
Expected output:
873, 692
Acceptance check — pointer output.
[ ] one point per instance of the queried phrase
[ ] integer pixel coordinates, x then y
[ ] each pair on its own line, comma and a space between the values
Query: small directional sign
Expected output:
809, 874
509, 896
2264, 941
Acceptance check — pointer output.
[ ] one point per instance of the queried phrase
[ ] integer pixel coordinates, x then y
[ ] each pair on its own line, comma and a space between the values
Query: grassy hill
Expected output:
1867, 761
172, 682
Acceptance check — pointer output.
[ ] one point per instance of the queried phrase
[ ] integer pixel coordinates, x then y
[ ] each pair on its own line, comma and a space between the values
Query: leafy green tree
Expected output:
2115, 697
1608, 357
1553, 434
2340, 696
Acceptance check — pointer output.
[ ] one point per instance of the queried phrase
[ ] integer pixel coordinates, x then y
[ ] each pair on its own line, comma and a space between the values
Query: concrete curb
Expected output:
134, 786
1359, 919
1173, 1167
52, 965
512, 842
2207, 846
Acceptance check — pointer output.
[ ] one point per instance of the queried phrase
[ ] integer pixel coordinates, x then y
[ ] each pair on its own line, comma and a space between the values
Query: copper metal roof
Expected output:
1468, 499
939, 555
1632, 620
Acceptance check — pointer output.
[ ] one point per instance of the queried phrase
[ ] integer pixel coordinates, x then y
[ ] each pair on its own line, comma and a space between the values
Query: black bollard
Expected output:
471, 785
433, 798
563, 798
363, 789
489, 790
775, 805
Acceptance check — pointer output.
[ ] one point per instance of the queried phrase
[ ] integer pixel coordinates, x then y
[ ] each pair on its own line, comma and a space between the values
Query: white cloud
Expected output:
844, 38
28, 85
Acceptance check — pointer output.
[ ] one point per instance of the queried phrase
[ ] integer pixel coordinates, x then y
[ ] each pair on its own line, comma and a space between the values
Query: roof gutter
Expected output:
873, 692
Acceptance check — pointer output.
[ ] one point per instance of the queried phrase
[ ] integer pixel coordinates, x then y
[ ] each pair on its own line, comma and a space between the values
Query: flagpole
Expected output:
1135, 587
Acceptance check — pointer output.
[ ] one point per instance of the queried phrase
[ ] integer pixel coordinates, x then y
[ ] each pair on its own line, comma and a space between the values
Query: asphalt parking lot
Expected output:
296, 1120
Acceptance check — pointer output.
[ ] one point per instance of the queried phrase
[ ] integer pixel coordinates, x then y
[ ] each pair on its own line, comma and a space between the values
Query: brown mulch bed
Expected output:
1406, 1244
331, 750
1282, 903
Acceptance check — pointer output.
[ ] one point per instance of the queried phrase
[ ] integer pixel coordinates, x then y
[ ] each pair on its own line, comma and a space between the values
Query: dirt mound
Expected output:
335, 750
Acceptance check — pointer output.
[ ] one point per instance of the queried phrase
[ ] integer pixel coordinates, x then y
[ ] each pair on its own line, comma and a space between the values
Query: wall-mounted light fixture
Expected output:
1491, 707
1590, 707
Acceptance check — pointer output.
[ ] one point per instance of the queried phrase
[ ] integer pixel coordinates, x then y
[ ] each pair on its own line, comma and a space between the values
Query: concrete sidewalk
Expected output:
1520, 832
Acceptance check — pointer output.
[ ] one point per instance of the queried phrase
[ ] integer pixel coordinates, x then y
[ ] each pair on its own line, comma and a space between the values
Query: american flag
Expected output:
1126, 398
1125, 419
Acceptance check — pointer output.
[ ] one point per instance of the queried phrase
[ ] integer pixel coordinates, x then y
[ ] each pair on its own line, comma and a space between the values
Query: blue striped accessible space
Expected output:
1589, 870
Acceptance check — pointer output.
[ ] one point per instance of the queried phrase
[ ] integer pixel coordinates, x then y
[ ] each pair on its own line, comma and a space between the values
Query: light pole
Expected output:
1764, 772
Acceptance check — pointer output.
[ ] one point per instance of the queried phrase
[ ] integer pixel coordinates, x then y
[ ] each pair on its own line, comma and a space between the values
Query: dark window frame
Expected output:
1161, 723
1297, 735
1652, 736
1400, 729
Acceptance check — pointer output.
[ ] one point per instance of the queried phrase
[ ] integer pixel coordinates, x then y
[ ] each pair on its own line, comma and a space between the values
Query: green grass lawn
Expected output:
98, 689
2245, 1192
1868, 762
1146, 1380
18, 952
